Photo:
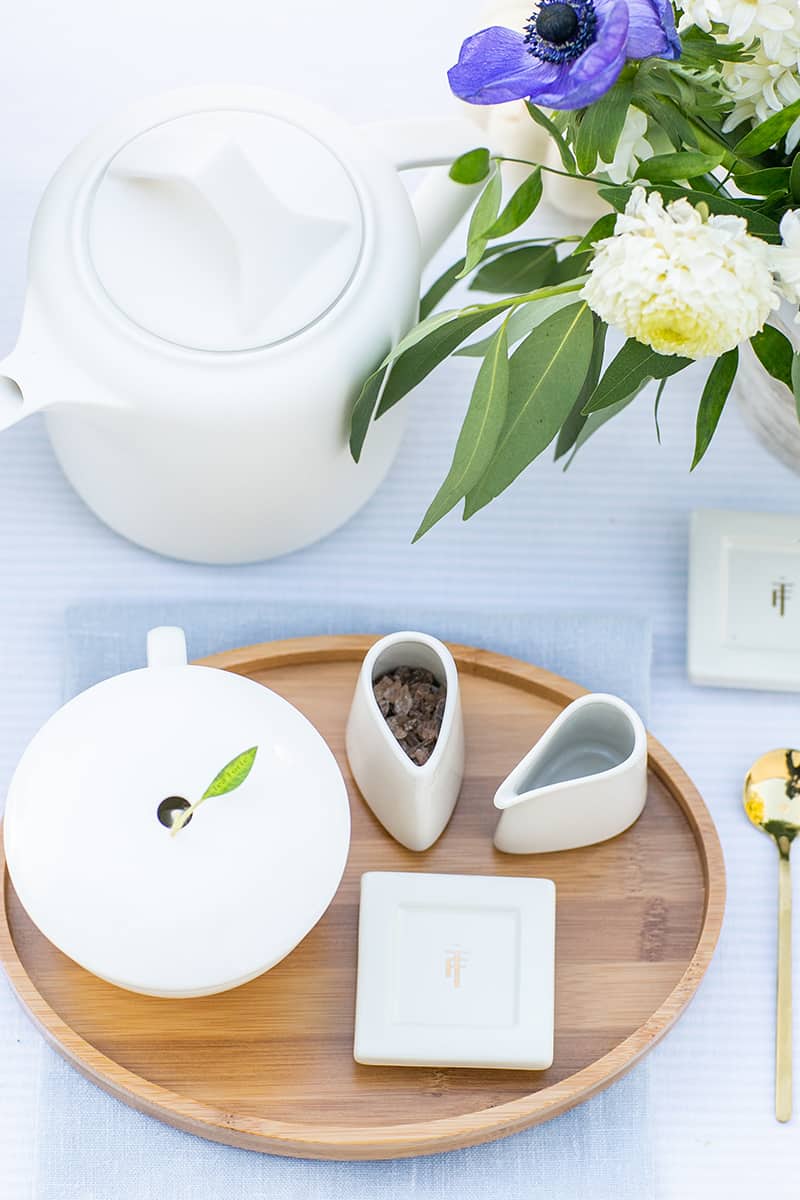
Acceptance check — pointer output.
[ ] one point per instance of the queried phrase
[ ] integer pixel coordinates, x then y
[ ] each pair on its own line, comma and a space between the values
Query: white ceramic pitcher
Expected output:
211, 276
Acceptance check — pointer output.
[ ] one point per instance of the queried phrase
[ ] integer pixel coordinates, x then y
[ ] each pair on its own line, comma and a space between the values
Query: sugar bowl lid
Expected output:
226, 228
99, 866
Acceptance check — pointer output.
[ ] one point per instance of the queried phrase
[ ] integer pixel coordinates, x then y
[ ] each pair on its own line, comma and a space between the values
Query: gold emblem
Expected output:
454, 963
781, 592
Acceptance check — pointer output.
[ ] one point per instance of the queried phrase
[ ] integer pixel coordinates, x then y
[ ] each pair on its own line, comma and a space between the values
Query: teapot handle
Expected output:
166, 647
438, 202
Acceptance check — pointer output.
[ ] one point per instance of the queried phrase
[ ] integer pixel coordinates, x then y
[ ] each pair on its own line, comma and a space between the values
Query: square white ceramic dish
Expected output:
455, 971
744, 600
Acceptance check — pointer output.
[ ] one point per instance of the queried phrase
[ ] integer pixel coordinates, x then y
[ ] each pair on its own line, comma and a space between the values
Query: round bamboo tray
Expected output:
269, 1065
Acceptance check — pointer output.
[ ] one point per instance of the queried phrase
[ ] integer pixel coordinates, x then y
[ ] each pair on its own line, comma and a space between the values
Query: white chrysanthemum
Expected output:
632, 148
761, 88
763, 19
679, 282
702, 13
785, 259
771, 80
746, 20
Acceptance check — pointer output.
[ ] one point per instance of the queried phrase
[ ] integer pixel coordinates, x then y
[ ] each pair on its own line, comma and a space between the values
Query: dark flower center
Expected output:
558, 32
557, 23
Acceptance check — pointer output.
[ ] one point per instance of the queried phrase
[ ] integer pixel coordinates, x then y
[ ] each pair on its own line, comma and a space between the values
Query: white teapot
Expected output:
211, 276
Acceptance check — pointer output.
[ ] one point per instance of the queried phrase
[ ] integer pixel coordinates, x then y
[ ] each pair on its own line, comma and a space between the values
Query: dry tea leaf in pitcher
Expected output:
412, 703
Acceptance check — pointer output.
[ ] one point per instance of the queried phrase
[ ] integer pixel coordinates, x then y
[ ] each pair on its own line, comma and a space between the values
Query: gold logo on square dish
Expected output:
781, 593
454, 963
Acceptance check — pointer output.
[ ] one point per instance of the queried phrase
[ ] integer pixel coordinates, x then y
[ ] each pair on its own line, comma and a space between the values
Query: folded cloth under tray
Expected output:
92, 1147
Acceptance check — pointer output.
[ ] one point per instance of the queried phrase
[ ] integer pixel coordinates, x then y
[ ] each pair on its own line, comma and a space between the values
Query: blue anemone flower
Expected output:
569, 55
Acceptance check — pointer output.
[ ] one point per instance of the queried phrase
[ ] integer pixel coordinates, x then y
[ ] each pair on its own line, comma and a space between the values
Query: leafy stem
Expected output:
543, 293
524, 162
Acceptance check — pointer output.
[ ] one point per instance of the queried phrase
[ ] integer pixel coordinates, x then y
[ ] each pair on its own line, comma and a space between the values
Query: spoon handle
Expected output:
783, 1044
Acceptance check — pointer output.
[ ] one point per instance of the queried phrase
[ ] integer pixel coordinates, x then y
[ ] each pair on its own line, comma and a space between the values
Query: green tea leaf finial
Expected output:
232, 776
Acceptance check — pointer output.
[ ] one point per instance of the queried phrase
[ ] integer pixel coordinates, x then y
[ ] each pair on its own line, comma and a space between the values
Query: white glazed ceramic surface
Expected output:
767, 405
232, 892
584, 781
455, 971
413, 803
744, 620
212, 274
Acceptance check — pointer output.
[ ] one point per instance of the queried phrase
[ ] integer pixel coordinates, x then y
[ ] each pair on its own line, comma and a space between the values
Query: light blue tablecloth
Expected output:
91, 1147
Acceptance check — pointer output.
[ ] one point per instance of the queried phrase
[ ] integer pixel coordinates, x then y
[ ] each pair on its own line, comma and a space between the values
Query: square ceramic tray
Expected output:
744, 600
455, 971
269, 1066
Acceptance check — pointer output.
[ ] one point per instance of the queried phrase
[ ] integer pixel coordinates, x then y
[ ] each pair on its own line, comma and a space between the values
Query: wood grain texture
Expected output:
269, 1066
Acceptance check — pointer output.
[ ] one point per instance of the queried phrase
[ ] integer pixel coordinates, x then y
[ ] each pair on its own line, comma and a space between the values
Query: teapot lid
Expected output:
97, 867
225, 229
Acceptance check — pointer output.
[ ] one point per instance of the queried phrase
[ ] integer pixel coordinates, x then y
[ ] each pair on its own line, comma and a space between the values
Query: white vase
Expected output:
768, 407
413, 803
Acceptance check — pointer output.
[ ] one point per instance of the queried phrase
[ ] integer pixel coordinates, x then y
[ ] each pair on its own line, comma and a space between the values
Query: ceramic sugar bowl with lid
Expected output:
212, 274
93, 845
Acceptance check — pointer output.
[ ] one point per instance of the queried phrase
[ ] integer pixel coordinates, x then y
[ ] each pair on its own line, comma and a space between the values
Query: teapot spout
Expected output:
30, 383
12, 402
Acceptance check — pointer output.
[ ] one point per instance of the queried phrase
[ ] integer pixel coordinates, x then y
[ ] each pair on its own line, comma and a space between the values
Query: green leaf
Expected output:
794, 179
668, 118
715, 393
657, 406
655, 78
472, 167
479, 433
523, 319
635, 365
416, 362
763, 183
571, 429
545, 375
363, 409
596, 421
519, 271
449, 278
571, 267
768, 133
775, 353
483, 215
367, 399
701, 50
232, 775
796, 381
684, 164
364, 406
565, 154
520, 207
603, 228
601, 126
440, 287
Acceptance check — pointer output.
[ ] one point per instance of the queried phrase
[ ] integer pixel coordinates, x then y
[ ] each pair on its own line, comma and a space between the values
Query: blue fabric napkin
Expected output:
91, 1147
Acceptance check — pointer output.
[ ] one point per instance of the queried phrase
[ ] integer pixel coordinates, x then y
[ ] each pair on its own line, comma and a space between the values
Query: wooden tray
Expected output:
269, 1066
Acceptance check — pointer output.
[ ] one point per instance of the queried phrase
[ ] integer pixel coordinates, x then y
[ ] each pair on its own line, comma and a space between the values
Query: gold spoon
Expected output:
772, 802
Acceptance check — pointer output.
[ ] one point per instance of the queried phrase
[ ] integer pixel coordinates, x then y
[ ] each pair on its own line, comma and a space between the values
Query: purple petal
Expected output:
590, 76
652, 30
494, 66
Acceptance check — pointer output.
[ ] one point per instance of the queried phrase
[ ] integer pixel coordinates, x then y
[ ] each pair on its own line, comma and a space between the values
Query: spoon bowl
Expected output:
772, 804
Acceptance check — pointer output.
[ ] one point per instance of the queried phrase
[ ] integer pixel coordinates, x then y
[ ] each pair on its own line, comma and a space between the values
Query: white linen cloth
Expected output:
611, 533
85, 1137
